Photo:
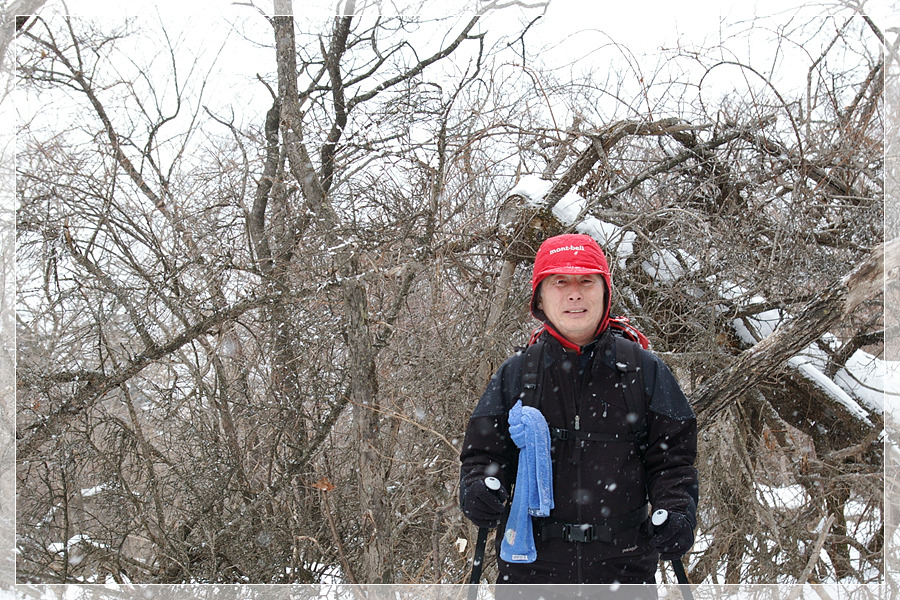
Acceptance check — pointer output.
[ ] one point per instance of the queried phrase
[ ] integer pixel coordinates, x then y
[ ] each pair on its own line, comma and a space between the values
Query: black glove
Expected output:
673, 538
483, 506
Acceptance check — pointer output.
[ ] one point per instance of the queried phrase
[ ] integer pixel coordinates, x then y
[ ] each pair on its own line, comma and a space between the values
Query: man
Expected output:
612, 458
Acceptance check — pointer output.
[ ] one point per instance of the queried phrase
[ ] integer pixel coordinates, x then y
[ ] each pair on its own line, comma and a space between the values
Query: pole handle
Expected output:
658, 519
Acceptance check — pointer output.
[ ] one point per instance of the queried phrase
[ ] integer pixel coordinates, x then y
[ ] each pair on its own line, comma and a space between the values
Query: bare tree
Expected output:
246, 353
199, 304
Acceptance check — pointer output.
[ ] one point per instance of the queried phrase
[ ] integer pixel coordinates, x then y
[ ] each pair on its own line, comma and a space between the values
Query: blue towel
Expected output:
534, 483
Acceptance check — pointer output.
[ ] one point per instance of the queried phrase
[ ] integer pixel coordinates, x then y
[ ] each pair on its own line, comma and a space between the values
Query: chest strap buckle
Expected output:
559, 434
578, 532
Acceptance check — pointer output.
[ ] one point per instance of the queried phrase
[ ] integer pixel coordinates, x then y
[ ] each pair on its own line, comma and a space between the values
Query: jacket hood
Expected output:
569, 254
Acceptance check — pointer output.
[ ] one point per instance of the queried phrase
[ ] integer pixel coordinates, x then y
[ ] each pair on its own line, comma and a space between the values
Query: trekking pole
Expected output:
492, 484
657, 520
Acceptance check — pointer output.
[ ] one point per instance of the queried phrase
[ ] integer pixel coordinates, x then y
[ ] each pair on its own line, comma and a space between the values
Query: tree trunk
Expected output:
839, 551
364, 397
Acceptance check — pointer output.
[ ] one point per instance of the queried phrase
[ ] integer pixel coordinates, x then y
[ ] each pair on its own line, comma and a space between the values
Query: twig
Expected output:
813, 559
406, 419
337, 540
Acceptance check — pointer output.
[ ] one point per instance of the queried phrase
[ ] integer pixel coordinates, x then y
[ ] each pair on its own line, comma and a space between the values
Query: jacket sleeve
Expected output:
672, 443
488, 450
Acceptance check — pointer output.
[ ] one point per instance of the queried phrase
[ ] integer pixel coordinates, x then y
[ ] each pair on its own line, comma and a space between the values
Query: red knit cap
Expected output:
569, 254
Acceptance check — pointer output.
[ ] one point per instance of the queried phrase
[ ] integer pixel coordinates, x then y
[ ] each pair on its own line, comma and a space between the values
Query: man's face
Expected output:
574, 304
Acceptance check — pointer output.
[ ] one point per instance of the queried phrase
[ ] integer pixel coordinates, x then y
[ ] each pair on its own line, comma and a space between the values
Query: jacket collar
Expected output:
603, 339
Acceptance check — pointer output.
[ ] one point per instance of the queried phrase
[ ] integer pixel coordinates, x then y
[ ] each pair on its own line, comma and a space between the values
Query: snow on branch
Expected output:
759, 362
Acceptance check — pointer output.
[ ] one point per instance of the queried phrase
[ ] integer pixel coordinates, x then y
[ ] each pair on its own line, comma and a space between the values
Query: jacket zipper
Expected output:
578, 389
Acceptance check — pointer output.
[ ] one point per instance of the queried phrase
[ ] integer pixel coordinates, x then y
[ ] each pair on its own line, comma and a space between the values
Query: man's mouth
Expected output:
577, 311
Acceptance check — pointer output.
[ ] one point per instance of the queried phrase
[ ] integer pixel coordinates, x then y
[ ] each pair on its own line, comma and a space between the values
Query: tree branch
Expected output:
409, 74
37, 434
333, 65
757, 364
257, 218
601, 143
291, 118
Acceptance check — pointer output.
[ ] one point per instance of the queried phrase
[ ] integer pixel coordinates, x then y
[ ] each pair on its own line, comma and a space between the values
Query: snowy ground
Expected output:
442, 592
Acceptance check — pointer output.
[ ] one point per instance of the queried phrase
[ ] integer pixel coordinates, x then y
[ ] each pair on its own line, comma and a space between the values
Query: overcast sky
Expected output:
643, 24
568, 31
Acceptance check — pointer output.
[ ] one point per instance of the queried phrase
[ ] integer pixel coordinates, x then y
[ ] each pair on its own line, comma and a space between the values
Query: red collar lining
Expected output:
565, 342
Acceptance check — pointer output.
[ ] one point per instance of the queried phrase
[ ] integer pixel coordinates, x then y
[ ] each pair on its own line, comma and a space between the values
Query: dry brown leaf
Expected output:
324, 485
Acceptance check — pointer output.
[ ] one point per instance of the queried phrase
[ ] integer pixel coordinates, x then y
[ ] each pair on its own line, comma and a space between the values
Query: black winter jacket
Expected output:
594, 482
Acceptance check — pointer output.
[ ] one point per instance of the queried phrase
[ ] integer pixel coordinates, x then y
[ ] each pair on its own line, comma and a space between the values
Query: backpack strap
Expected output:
557, 433
621, 325
532, 374
628, 362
